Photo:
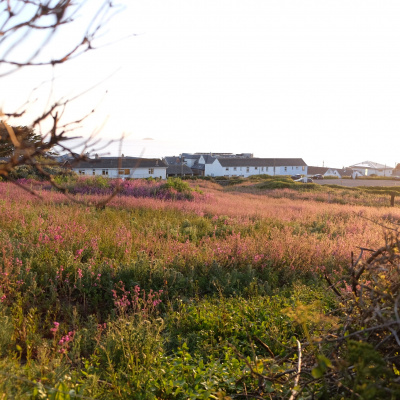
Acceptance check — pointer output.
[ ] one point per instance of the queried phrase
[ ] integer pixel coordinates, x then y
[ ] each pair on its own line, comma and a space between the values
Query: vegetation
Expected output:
26, 136
216, 297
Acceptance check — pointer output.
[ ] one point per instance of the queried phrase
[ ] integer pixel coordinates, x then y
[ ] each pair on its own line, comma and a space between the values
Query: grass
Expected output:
164, 297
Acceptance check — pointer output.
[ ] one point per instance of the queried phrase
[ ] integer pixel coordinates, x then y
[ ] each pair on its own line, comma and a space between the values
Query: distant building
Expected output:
227, 155
337, 172
122, 167
244, 167
368, 168
179, 171
311, 171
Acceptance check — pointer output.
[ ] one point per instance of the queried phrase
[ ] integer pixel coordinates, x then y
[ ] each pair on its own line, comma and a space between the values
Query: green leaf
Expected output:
324, 362
317, 372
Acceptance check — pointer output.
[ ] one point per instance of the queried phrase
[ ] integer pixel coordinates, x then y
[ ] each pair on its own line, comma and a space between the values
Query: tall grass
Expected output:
149, 297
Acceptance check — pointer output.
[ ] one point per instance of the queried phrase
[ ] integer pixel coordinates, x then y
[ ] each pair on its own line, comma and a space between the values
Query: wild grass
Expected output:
161, 297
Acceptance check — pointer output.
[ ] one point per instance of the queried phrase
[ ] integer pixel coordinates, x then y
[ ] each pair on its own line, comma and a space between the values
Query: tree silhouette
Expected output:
28, 138
38, 25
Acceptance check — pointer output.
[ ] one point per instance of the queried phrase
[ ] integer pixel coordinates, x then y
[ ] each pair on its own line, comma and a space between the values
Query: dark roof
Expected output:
191, 156
316, 170
198, 166
173, 160
217, 154
262, 162
123, 162
208, 159
179, 170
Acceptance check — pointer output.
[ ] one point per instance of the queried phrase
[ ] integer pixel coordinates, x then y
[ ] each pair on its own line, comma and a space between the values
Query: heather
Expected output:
171, 189
166, 296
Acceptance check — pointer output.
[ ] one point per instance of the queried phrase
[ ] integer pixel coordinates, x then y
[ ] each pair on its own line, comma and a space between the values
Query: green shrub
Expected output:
178, 184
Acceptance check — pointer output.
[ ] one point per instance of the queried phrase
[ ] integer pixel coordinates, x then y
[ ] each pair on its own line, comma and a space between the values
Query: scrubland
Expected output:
171, 293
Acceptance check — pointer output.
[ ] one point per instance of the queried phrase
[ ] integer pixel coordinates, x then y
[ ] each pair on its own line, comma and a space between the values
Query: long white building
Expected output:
122, 167
244, 167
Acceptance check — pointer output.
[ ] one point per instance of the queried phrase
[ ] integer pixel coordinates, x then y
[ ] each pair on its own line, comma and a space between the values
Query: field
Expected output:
178, 292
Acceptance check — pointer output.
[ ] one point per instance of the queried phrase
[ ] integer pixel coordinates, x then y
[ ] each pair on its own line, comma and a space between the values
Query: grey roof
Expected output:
217, 154
198, 166
208, 159
179, 170
173, 160
262, 162
191, 156
370, 164
316, 170
121, 162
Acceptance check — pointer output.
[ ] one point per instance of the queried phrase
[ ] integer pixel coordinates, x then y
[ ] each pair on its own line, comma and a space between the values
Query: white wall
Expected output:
290, 170
370, 171
190, 161
135, 173
216, 169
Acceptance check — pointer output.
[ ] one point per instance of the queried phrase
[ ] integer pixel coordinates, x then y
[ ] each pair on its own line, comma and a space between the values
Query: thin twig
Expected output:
296, 381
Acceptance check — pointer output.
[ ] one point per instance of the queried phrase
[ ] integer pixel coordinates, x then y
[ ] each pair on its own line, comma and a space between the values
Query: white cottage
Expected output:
122, 167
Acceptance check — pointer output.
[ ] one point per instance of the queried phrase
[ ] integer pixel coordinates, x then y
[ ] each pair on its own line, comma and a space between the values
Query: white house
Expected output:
189, 159
245, 167
372, 168
122, 167
338, 172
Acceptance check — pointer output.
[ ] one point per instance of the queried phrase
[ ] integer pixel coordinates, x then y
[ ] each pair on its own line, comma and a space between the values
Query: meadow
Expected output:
173, 291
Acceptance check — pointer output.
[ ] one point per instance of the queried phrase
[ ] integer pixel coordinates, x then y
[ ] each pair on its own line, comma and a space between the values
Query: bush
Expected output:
177, 184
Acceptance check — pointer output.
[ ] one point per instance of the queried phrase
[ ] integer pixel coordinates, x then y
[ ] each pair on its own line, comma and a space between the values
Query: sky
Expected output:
317, 80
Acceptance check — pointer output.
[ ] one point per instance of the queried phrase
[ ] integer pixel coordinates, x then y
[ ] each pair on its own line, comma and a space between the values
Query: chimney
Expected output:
96, 156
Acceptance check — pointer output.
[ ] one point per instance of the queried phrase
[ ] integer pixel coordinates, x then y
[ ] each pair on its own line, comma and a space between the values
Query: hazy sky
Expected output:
316, 79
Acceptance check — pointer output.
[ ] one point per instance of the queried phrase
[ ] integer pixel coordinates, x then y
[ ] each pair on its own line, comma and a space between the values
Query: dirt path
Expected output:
358, 182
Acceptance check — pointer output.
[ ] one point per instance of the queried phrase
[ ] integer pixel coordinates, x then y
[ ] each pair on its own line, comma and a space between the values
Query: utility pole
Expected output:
181, 166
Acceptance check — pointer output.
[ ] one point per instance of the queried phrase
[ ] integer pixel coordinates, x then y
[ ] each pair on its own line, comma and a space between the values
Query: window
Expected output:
81, 172
234, 168
285, 169
127, 171
255, 167
94, 172
247, 169
262, 168
120, 172
104, 172
240, 168
151, 171
227, 168
304, 168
